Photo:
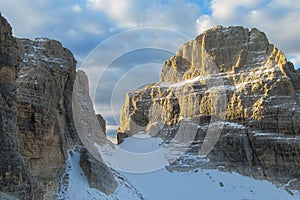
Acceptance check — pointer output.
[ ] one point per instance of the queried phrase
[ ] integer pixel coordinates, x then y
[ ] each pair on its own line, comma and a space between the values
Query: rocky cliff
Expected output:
90, 133
37, 82
44, 118
235, 78
37, 129
15, 176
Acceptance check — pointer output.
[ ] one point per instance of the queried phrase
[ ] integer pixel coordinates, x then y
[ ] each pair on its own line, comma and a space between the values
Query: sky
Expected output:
81, 25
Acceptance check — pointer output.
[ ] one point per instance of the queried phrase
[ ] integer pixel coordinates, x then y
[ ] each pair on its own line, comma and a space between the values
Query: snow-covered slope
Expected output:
75, 186
164, 184
206, 184
199, 183
239, 90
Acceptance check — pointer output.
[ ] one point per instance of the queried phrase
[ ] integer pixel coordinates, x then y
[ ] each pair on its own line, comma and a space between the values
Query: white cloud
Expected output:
121, 12
285, 4
179, 15
27, 17
227, 12
91, 27
204, 22
295, 58
226, 9
76, 8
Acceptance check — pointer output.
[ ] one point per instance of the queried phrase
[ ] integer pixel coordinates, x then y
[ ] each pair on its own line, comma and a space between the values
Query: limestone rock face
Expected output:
37, 128
256, 76
101, 122
90, 130
9, 50
44, 88
4, 196
226, 74
98, 174
15, 176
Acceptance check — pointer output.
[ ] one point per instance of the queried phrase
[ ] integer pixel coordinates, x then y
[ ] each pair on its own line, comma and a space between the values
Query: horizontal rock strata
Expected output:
231, 75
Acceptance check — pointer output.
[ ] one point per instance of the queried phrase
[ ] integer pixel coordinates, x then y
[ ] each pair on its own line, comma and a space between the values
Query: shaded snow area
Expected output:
75, 186
141, 143
198, 183
162, 184
132, 155
205, 184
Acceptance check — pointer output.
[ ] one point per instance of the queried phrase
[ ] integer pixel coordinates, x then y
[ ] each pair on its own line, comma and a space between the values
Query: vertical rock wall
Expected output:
36, 118
261, 92
15, 176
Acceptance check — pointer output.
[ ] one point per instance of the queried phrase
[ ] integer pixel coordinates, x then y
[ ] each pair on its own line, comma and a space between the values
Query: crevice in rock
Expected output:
256, 160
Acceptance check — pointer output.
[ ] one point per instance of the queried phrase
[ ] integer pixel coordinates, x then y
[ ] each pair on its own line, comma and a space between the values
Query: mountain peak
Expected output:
227, 50
260, 98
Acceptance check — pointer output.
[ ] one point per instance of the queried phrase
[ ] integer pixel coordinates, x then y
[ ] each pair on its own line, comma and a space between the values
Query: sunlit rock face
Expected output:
226, 74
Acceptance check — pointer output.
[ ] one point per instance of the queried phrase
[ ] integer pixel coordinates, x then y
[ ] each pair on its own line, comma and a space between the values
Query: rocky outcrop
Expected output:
37, 128
44, 88
4, 196
98, 174
226, 74
38, 78
255, 75
15, 176
101, 122
90, 130
9, 49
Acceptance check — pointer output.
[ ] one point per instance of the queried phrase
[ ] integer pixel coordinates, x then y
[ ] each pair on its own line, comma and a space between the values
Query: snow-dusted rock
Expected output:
37, 128
226, 74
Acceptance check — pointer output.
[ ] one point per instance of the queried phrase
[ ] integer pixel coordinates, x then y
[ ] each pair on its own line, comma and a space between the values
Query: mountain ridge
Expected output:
37, 129
234, 76
38, 133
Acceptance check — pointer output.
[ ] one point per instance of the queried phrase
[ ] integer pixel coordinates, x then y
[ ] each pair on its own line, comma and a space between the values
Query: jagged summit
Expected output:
251, 69
46, 51
261, 111
231, 49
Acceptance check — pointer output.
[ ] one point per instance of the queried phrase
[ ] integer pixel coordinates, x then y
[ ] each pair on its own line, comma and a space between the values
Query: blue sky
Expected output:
82, 24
